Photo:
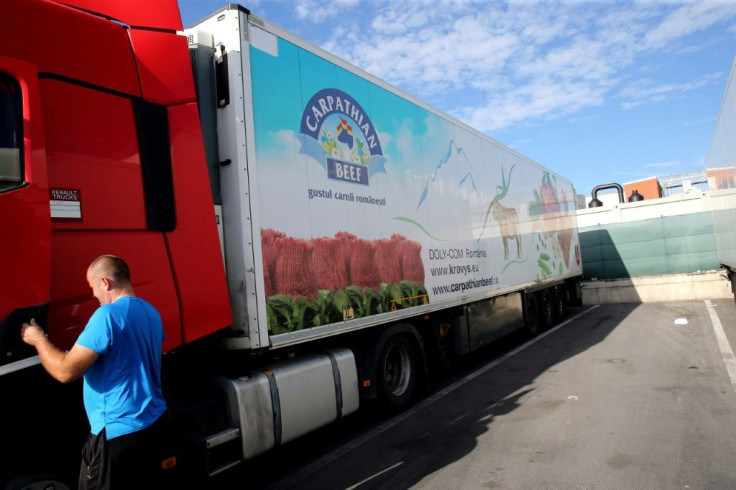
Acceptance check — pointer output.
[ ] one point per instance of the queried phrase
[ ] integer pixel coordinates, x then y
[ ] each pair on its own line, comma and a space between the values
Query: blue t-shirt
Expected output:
122, 389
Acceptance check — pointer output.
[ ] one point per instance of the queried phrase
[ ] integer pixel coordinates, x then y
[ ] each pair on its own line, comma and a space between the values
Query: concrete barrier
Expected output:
646, 289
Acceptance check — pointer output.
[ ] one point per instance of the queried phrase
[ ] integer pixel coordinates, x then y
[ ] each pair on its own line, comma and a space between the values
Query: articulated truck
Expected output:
312, 236
721, 169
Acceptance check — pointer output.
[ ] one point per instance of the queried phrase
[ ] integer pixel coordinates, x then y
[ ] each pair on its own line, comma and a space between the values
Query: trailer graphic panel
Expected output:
372, 203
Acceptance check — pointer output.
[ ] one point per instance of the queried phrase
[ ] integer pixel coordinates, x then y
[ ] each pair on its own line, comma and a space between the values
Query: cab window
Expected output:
11, 136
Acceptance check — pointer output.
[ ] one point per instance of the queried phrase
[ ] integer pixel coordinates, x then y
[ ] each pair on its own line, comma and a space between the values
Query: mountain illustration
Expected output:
454, 163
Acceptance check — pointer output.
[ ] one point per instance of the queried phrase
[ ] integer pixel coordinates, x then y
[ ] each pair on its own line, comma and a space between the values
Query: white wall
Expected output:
693, 202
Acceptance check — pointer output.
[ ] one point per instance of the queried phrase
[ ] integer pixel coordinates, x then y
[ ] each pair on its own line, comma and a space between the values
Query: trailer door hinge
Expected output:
222, 79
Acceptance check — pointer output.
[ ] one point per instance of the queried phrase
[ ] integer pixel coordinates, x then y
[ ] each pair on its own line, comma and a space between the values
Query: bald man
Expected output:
119, 356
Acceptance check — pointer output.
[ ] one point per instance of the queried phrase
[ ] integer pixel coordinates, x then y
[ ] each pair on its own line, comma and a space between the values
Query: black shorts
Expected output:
129, 461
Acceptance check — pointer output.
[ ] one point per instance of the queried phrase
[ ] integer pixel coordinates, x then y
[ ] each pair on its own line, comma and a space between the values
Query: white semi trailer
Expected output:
721, 167
355, 214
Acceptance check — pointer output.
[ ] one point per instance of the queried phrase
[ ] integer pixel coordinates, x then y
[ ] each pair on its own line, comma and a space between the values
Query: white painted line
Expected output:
300, 475
726, 352
353, 487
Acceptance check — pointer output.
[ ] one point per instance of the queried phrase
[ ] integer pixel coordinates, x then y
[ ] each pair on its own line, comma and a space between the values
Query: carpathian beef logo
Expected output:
338, 133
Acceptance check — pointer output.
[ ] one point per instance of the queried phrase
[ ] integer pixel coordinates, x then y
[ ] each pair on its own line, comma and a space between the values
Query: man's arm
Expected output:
63, 366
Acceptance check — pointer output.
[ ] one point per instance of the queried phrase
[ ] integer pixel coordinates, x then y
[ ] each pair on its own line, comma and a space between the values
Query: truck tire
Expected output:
38, 480
531, 313
560, 299
546, 309
397, 373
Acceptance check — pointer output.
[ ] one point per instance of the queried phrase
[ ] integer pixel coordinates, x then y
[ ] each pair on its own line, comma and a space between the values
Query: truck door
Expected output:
25, 223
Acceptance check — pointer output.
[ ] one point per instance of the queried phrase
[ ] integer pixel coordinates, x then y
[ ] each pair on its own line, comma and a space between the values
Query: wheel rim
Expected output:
397, 370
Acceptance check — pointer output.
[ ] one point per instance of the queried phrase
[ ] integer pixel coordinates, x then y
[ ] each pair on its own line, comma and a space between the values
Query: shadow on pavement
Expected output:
432, 436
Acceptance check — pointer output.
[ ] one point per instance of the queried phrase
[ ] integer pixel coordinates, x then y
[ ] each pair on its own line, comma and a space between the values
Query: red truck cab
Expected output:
101, 152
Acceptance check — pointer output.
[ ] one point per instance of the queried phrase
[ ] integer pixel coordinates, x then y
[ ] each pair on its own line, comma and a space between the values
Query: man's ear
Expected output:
107, 283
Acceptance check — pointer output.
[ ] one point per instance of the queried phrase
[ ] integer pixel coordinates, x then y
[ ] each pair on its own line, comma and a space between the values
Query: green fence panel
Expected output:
666, 245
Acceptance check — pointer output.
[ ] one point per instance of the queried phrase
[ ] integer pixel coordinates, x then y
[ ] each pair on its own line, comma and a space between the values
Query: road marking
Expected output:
336, 454
726, 352
375, 476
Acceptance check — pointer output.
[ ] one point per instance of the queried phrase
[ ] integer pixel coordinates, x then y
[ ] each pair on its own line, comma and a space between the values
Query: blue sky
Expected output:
599, 92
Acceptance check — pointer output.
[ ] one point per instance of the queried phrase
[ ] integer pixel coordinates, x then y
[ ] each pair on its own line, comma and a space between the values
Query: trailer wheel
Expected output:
546, 309
560, 299
397, 372
531, 313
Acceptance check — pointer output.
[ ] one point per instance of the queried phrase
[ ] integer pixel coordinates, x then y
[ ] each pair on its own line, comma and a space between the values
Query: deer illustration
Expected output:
508, 218
508, 221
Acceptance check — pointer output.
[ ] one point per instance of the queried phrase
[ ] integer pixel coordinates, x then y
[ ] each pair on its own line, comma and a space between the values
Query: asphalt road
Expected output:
619, 397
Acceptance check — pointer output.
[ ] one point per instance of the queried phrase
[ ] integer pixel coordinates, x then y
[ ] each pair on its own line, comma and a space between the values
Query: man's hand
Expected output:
31, 333
64, 366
